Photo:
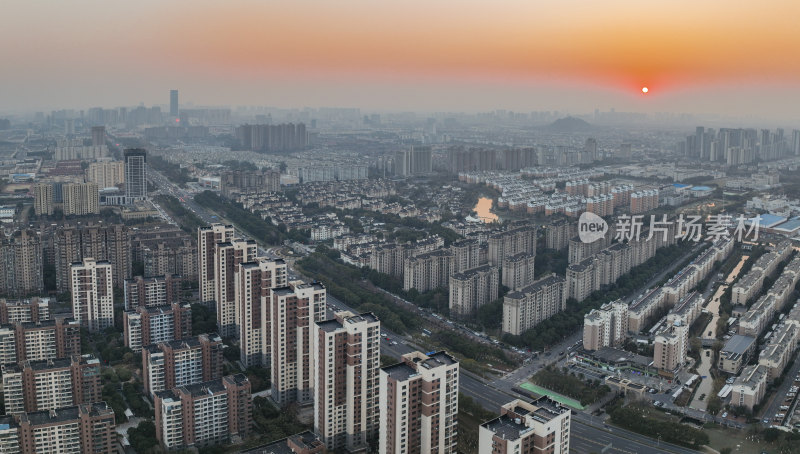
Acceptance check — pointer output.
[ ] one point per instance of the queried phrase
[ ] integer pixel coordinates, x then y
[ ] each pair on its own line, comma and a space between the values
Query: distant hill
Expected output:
570, 124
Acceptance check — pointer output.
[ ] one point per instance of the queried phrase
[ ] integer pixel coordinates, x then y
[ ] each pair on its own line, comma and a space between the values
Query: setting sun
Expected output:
645, 90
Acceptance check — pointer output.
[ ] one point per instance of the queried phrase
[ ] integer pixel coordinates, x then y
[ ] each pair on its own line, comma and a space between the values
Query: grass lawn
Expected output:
736, 440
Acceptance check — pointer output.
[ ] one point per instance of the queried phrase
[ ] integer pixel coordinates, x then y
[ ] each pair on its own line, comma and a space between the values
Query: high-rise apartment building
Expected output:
518, 270
182, 362
282, 137
253, 282
207, 239
204, 414
236, 182
416, 161
671, 347
466, 254
80, 199
165, 250
511, 242
51, 384
152, 325
293, 311
605, 327
77, 429
93, 294
135, 174
21, 263
37, 341
526, 308
106, 174
34, 310
43, 199
428, 271
541, 426
346, 352
151, 291
101, 242
473, 288
227, 257
419, 405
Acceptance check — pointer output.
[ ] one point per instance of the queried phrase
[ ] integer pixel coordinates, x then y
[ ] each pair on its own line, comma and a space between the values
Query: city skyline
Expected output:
468, 56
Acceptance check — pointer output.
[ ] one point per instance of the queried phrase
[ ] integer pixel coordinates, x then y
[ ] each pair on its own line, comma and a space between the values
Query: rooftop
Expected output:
506, 428
738, 344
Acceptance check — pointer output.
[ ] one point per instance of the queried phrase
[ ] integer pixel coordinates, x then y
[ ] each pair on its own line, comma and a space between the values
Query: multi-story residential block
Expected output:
293, 311
236, 182
518, 270
750, 386
207, 239
428, 271
204, 414
152, 325
93, 294
541, 426
346, 352
28, 310
36, 341
671, 347
473, 288
182, 362
419, 405
388, 259
605, 327
735, 353
511, 242
526, 308
81, 428
644, 307
227, 257
51, 384
21, 263
779, 352
253, 281
152, 291
644, 201
73, 244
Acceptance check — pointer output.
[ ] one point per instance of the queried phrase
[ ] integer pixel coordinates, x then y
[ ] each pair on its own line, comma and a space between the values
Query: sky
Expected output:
698, 56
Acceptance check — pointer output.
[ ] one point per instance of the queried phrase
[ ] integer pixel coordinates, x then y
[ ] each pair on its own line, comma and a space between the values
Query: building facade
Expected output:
155, 324
93, 294
419, 405
346, 351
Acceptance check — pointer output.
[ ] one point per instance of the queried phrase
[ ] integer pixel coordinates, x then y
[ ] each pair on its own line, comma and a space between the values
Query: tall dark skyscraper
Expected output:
135, 173
173, 103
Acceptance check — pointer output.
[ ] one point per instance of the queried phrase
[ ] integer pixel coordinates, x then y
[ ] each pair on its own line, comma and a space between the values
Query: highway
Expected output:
587, 433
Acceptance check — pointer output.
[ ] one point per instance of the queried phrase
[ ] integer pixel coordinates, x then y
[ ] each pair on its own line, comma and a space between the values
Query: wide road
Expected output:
586, 435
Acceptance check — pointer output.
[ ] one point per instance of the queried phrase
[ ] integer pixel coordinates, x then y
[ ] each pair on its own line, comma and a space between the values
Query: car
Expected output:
383, 334
725, 415
394, 342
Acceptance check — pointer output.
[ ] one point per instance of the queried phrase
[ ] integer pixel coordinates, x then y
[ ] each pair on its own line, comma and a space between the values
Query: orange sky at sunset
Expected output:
108, 53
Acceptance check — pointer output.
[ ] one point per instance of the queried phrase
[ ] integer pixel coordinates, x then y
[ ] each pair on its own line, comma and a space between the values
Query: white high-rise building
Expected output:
92, 294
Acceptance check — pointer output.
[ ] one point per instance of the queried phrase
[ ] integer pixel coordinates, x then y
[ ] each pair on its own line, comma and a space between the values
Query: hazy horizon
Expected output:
705, 58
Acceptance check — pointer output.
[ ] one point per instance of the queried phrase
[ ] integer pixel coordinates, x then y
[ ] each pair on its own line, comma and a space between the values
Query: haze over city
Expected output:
365, 227
711, 57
